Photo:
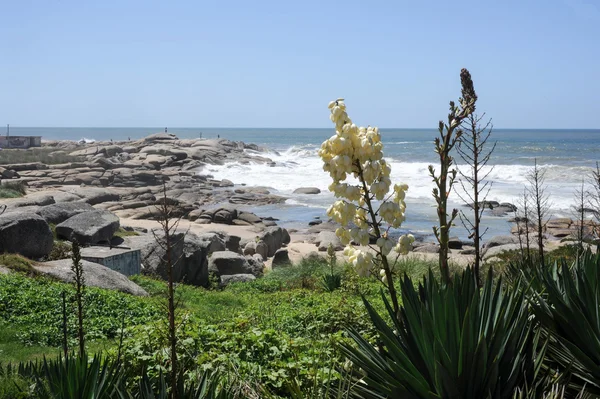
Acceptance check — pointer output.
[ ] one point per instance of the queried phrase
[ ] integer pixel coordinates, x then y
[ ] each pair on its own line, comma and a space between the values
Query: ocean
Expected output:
566, 156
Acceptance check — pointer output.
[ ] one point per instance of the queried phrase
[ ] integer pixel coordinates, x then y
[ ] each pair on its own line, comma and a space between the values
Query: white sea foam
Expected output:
299, 166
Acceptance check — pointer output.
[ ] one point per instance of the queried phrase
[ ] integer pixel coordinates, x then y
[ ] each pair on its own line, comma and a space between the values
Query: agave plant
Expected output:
75, 377
209, 386
566, 301
449, 341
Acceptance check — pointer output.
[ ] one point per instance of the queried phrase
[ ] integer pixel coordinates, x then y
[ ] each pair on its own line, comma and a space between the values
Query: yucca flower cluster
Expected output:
366, 205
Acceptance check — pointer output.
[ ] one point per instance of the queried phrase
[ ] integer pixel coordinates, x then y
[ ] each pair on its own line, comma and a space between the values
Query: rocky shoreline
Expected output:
104, 186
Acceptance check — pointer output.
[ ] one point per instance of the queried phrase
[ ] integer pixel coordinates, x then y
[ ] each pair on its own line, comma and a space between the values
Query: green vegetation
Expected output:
17, 263
125, 233
286, 335
45, 155
12, 190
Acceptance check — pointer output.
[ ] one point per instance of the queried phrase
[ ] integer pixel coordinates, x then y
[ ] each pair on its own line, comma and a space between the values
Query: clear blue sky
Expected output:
535, 63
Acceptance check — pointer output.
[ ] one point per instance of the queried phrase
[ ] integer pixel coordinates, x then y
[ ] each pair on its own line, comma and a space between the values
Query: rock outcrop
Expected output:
96, 275
27, 234
89, 227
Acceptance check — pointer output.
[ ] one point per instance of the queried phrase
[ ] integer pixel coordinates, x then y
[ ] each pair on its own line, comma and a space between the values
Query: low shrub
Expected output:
12, 190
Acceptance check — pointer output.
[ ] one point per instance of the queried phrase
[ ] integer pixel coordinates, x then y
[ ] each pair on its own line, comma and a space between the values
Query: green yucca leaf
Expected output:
454, 341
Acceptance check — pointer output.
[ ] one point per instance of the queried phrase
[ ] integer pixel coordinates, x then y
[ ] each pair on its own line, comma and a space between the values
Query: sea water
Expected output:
567, 158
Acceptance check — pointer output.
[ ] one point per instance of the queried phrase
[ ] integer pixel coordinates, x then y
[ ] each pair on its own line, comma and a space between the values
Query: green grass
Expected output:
276, 329
17, 263
41, 154
125, 233
12, 190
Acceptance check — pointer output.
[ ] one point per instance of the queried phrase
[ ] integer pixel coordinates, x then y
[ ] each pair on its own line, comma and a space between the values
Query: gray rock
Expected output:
281, 258
428, 249
27, 234
500, 240
95, 275
89, 227
326, 238
250, 248
256, 263
189, 254
307, 190
95, 196
455, 243
274, 237
467, 251
493, 251
286, 237
225, 215
236, 278
315, 222
232, 243
39, 200
58, 213
262, 249
249, 217
160, 137
228, 262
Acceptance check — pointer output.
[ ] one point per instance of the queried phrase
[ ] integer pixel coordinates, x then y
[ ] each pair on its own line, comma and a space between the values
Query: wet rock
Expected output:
307, 190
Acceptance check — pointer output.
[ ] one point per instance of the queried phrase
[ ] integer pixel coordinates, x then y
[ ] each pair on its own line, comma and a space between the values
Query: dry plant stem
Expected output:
384, 261
472, 149
445, 180
164, 219
79, 289
65, 345
541, 204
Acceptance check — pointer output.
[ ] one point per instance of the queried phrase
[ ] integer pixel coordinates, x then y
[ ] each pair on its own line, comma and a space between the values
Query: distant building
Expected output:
20, 141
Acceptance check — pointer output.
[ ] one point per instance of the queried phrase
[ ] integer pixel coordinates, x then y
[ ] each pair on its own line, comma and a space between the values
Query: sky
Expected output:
129, 63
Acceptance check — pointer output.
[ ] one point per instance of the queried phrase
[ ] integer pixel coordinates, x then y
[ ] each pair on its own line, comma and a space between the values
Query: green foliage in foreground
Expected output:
567, 302
451, 341
33, 305
534, 337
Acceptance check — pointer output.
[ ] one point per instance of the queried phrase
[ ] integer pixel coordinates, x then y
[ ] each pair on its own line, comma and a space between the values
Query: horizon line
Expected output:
278, 127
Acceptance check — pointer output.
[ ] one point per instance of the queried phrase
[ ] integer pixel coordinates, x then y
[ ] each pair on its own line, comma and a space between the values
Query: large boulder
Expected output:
274, 238
326, 238
95, 275
89, 227
27, 234
189, 254
228, 262
281, 258
58, 213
